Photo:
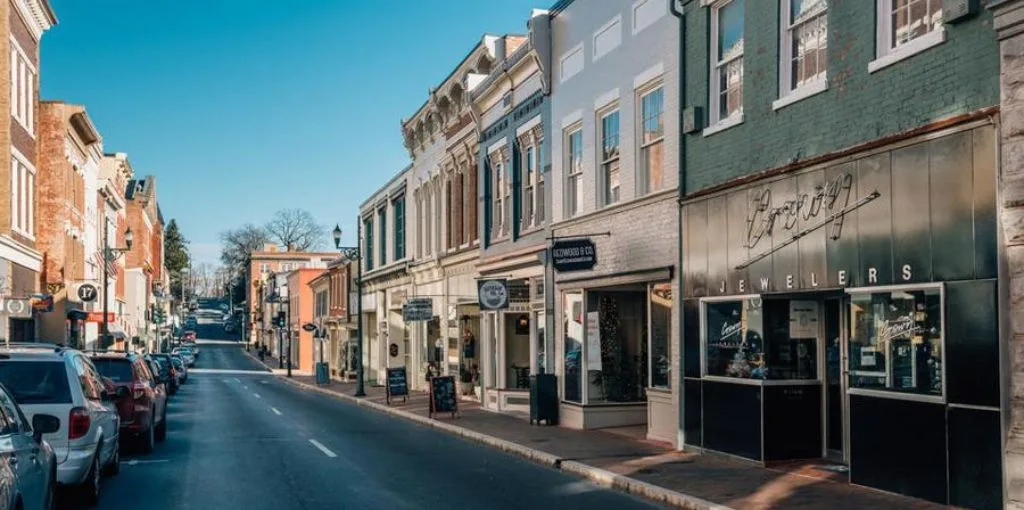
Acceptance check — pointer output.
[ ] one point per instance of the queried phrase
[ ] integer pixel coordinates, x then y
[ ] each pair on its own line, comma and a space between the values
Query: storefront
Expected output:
848, 313
514, 325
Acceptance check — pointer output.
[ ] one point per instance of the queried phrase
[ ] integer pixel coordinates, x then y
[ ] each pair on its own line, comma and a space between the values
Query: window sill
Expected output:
800, 94
723, 124
933, 38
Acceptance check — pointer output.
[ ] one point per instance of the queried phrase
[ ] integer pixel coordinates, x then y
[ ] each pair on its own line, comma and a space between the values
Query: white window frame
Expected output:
719, 124
529, 180
23, 177
603, 113
23, 79
886, 54
499, 193
643, 179
787, 94
573, 174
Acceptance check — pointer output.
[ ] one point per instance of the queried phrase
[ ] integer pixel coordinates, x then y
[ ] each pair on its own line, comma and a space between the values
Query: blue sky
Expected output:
242, 107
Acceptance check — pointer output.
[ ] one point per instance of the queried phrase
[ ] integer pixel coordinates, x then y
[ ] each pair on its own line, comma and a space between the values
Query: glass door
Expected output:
835, 382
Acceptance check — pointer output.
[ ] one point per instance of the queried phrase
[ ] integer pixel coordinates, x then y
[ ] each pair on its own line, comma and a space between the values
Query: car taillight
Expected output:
139, 389
78, 423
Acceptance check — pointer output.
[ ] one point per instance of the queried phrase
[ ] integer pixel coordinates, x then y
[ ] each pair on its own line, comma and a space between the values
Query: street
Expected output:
243, 439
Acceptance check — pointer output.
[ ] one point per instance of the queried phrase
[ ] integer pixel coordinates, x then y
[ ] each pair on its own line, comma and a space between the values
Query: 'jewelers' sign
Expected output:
573, 255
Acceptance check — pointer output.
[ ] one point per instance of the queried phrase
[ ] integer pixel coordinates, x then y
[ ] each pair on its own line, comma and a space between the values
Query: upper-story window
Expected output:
609, 155
398, 205
367, 250
652, 137
906, 27
529, 167
418, 232
804, 45
502, 213
382, 224
23, 196
23, 79
727, 61
264, 268
574, 170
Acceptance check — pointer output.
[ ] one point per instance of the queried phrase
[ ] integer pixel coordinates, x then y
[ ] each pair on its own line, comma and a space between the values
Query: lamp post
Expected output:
109, 255
352, 253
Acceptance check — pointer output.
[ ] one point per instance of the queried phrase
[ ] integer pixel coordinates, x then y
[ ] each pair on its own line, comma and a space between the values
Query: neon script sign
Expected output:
829, 198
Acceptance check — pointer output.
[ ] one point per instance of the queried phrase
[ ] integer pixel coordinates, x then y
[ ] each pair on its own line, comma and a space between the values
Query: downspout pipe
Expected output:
679, 12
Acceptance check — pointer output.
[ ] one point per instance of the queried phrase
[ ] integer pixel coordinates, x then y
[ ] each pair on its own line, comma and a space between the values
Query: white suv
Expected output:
55, 380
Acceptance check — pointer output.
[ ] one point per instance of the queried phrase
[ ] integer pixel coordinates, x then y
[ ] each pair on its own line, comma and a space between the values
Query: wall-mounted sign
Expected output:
492, 294
98, 317
87, 292
393, 350
417, 309
42, 302
309, 327
20, 308
803, 319
573, 255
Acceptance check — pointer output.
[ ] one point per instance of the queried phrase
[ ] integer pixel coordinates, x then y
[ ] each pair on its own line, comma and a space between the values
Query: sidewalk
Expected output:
618, 458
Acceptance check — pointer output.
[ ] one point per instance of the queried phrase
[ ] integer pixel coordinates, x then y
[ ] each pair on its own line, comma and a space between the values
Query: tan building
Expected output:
333, 313
263, 265
69, 152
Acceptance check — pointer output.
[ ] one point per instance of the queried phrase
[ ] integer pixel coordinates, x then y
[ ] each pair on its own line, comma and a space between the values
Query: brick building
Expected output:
263, 265
144, 262
20, 258
70, 149
111, 209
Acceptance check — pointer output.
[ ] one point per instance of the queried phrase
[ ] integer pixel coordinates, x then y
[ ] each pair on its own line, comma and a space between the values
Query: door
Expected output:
835, 422
23, 452
102, 413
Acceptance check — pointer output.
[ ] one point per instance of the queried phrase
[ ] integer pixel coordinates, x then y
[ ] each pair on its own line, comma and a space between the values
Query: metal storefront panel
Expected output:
911, 204
718, 243
737, 233
985, 234
874, 221
811, 246
697, 254
842, 252
952, 193
785, 257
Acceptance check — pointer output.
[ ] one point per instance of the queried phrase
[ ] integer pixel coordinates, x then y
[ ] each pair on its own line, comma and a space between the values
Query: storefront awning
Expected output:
117, 331
660, 274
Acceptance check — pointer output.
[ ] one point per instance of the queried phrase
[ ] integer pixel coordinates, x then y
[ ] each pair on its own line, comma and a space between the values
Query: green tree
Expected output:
176, 256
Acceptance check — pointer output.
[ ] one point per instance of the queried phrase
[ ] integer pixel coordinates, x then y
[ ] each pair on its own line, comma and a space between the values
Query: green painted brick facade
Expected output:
958, 76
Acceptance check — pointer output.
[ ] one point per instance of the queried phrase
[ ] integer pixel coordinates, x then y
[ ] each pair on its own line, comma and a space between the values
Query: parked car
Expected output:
161, 372
168, 374
144, 414
192, 346
229, 327
186, 356
29, 472
52, 380
180, 370
188, 335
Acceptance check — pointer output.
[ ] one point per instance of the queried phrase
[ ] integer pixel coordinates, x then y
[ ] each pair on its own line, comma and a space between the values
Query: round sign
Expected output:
493, 295
393, 350
87, 292
15, 306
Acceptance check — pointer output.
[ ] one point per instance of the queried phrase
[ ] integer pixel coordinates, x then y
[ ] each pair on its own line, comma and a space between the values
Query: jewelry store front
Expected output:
848, 314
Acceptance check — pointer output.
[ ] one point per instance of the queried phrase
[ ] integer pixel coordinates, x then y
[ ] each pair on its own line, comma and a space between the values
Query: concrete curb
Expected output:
598, 476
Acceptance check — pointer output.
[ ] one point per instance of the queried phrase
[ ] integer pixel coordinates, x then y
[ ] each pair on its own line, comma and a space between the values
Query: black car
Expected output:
166, 370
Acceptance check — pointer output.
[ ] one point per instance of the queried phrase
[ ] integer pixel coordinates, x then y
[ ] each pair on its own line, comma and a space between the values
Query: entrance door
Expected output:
835, 387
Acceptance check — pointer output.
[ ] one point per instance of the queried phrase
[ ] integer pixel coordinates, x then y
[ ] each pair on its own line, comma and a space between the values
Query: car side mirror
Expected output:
122, 392
44, 424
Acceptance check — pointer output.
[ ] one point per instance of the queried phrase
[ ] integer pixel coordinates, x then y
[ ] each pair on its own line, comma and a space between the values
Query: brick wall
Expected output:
957, 76
51, 191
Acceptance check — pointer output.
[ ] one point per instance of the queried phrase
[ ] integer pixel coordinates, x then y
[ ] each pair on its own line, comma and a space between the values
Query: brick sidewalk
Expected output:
724, 481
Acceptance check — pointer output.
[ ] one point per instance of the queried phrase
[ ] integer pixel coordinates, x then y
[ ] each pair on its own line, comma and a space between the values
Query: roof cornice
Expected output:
37, 15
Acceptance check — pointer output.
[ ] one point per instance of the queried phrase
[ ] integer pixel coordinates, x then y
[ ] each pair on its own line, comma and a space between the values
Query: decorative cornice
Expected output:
37, 15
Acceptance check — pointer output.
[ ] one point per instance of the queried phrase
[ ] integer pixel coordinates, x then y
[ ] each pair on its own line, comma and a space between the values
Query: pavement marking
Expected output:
237, 380
257, 395
275, 411
133, 462
323, 448
245, 387
227, 371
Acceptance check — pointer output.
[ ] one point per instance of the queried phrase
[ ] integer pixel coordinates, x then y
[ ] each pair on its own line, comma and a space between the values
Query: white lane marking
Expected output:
227, 371
275, 411
257, 395
323, 448
245, 387
133, 462
237, 380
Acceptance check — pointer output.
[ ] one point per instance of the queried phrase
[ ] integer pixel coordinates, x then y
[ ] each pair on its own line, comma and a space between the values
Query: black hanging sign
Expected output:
573, 255
442, 396
398, 384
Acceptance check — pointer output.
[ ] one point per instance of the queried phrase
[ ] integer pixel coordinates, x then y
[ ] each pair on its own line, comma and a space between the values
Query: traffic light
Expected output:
279, 321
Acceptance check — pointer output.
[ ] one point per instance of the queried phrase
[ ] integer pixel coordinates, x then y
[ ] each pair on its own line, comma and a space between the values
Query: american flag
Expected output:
111, 264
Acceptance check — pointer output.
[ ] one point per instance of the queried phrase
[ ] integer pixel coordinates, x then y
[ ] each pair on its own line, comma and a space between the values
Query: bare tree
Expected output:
296, 230
204, 276
238, 244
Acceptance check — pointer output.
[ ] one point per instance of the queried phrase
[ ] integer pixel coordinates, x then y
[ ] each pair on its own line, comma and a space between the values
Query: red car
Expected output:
188, 336
144, 413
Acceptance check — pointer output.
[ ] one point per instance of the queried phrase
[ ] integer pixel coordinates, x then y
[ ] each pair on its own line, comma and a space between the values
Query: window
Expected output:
661, 335
609, 157
804, 46
382, 224
529, 187
574, 165
572, 322
419, 216
368, 242
896, 340
23, 185
727, 61
734, 339
652, 148
264, 268
428, 214
399, 206
23, 77
500, 195
906, 27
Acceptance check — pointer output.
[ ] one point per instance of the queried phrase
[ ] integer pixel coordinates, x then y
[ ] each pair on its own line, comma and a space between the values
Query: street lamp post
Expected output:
109, 255
352, 253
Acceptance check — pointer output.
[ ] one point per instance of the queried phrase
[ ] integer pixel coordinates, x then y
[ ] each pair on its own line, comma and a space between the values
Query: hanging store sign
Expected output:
573, 255
18, 308
417, 309
87, 292
492, 294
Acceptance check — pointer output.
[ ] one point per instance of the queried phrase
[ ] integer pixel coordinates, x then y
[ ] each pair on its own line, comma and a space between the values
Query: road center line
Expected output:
323, 448
275, 411
245, 387
257, 395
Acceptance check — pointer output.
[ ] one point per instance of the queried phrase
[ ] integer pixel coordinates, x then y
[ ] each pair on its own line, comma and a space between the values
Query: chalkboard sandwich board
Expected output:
442, 396
398, 384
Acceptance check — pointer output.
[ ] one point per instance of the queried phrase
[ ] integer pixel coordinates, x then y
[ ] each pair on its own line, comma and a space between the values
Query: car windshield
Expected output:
177, 362
118, 370
36, 382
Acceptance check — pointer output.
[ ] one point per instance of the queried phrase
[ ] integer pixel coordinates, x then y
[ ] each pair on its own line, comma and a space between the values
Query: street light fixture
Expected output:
110, 255
352, 253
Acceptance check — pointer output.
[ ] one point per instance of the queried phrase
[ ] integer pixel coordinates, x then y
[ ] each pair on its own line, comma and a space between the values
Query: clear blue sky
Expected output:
242, 107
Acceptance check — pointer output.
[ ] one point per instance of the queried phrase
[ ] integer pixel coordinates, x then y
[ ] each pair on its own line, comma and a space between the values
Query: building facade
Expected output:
513, 172
301, 310
70, 149
144, 260
263, 265
840, 241
332, 315
112, 208
614, 190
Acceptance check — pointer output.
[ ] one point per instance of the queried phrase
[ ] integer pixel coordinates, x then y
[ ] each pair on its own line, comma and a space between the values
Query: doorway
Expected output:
835, 423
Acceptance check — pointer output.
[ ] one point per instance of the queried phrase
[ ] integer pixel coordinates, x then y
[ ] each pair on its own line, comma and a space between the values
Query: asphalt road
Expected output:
247, 440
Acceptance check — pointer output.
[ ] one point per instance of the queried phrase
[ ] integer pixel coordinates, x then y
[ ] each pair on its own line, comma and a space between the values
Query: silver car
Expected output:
62, 382
28, 461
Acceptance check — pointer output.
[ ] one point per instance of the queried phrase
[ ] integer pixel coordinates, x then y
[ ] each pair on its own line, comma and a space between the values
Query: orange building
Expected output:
300, 311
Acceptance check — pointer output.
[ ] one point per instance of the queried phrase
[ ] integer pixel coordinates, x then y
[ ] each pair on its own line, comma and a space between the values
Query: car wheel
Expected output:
161, 430
90, 489
148, 438
115, 461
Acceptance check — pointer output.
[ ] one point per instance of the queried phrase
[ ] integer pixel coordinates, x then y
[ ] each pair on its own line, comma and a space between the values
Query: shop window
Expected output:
660, 337
517, 351
734, 342
616, 346
572, 322
896, 341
